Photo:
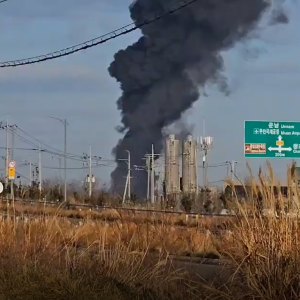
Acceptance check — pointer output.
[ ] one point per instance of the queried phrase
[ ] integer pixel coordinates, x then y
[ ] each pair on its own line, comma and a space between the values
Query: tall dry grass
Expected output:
112, 215
265, 252
53, 258
40, 260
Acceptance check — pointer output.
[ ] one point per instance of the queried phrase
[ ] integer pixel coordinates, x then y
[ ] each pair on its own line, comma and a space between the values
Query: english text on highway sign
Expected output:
272, 139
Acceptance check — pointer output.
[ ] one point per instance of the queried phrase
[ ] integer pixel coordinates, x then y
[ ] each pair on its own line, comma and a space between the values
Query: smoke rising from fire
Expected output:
161, 73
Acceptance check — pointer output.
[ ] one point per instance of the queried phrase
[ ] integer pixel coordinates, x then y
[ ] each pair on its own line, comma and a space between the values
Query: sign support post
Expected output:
11, 177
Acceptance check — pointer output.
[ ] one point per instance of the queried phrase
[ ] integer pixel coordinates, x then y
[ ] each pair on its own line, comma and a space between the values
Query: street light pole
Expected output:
90, 172
65, 123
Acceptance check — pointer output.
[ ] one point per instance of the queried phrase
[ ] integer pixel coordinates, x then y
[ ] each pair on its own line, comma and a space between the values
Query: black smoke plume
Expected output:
160, 74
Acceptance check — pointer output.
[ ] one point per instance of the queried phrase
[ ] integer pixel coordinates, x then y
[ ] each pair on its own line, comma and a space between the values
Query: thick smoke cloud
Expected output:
181, 129
161, 73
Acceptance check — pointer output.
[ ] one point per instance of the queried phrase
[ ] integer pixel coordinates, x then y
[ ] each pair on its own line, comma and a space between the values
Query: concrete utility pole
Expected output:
90, 172
206, 145
125, 189
232, 170
152, 174
12, 158
150, 168
30, 171
148, 175
196, 163
40, 171
7, 155
128, 175
59, 185
65, 123
65, 161
12, 141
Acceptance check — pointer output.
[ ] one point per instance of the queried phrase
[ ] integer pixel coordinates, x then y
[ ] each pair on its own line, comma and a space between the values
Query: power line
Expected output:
71, 168
56, 151
1, 1
94, 42
29, 135
21, 174
28, 149
72, 157
215, 165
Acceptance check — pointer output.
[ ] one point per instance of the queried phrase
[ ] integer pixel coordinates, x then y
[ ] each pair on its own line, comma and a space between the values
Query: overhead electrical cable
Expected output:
57, 151
40, 142
75, 157
26, 141
71, 168
94, 42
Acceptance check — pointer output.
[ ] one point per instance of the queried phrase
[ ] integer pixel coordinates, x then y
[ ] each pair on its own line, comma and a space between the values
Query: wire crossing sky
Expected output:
96, 41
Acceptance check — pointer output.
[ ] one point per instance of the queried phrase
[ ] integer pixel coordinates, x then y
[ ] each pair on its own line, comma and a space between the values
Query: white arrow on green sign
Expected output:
279, 149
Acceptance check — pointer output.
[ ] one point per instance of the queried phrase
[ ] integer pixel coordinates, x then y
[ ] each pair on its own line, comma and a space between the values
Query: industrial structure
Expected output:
189, 166
172, 165
181, 168
181, 165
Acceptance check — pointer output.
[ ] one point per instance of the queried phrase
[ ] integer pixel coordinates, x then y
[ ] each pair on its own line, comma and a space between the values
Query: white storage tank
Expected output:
172, 167
189, 165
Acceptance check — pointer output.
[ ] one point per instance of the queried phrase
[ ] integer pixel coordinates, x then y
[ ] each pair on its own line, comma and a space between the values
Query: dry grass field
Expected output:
112, 215
53, 258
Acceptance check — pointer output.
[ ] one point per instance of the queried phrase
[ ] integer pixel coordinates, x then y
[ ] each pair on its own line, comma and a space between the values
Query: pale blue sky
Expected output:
263, 75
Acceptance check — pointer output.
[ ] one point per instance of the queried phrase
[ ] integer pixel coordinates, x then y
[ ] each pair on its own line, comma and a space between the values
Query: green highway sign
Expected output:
272, 139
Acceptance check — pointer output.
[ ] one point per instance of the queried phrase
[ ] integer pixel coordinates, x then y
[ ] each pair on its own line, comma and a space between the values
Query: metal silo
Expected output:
172, 174
189, 165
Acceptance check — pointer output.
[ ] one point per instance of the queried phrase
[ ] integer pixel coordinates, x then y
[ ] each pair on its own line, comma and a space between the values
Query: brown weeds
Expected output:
123, 255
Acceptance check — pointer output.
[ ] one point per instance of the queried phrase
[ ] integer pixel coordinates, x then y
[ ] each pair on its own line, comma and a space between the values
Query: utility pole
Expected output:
152, 175
206, 145
232, 170
12, 158
125, 189
65, 160
59, 184
148, 175
128, 176
7, 155
59, 166
40, 171
90, 172
30, 172
12, 141
196, 163
65, 123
